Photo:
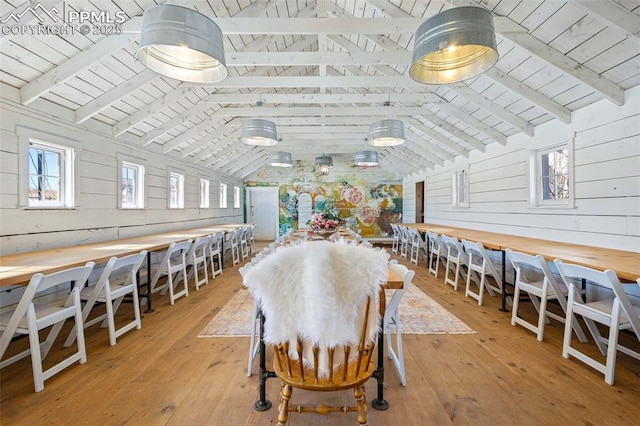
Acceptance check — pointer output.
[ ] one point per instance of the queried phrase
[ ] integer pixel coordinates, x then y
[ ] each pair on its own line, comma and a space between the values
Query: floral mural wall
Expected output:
369, 207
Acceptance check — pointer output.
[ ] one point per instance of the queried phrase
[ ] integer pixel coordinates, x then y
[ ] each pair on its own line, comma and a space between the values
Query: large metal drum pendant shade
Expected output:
386, 133
259, 132
183, 44
454, 45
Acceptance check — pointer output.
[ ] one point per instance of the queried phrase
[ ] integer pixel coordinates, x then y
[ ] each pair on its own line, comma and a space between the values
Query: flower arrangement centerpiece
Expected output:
323, 221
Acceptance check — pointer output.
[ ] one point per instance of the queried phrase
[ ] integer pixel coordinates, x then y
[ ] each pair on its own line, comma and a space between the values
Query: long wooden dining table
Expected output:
626, 264
17, 269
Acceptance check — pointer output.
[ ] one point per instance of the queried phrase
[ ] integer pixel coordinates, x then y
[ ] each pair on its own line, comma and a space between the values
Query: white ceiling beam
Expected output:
311, 81
68, 69
127, 123
319, 111
247, 160
246, 171
493, 108
466, 118
613, 14
552, 107
437, 137
258, 8
231, 127
112, 96
175, 121
322, 98
304, 59
190, 133
568, 66
452, 130
285, 26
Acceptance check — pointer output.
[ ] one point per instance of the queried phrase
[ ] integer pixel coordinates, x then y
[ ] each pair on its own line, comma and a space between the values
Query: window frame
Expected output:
536, 199
223, 196
179, 191
139, 185
236, 197
456, 187
66, 160
205, 192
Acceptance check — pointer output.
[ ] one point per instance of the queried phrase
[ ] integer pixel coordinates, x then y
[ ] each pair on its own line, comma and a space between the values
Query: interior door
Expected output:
263, 211
419, 202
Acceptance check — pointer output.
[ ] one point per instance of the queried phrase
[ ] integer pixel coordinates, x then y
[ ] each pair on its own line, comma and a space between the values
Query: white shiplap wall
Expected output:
97, 217
607, 182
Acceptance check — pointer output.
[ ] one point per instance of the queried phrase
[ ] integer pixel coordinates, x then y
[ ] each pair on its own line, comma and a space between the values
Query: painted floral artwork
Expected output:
369, 208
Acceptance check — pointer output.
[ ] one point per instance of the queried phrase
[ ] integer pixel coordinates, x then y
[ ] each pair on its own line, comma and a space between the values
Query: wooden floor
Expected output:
164, 374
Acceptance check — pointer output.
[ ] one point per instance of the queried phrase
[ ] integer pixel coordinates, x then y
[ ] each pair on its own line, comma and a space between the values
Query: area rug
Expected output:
419, 314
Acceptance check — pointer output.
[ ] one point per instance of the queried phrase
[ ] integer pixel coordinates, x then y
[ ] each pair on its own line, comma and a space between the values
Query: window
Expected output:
223, 195
176, 191
551, 176
50, 175
131, 186
204, 194
236, 197
461, 188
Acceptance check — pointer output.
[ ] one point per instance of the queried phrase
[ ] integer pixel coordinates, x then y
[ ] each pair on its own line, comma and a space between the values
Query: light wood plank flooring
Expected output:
164, 374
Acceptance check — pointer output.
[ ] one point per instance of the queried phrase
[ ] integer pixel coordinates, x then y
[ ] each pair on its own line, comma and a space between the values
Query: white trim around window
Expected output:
236, 197
204, 193
223, 195
460, 188
175, 190
551, 176
131, 189
47, 170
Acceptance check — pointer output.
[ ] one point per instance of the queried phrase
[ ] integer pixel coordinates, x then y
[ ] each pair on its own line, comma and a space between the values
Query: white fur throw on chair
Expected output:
316, 291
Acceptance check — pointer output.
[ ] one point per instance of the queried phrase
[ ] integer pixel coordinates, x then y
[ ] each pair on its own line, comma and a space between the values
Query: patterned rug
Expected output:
419, 314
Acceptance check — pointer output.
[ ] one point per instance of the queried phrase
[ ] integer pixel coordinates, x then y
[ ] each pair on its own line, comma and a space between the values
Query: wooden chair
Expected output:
616, 312
31, 315
392, 318
322, 306
405, 241
118, 279
243, 242
251, 238
534, 277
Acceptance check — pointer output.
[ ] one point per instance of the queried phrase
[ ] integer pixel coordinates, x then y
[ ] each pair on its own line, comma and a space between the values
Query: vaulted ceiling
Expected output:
322, 71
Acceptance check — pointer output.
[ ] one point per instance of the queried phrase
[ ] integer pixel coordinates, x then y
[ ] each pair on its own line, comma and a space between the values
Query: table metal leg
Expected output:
503, 308
263, 403
147, 295
379, 403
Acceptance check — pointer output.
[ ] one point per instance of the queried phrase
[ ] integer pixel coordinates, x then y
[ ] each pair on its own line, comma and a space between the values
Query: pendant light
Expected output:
323, 164
181, 43
280, 159
454, 45
259, 132
386, 132
366, 158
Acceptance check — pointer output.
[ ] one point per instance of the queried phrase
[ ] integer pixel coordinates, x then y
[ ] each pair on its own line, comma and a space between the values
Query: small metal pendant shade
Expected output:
280, 159
259, 132
366, 158
181, 43
386, 133
454, 45
323, 164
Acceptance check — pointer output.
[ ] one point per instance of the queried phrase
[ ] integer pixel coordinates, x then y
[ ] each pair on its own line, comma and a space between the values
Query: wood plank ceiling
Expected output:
322, 70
